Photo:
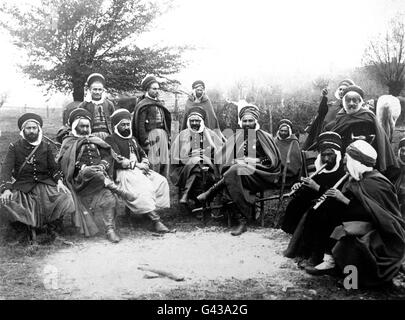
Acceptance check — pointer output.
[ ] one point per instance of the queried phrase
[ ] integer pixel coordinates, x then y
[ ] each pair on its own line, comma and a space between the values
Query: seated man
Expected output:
132, 172
37, 196
192, 152
355, 122
400, 176
249, 162
329, 145
85, 161
363, 228
290, 151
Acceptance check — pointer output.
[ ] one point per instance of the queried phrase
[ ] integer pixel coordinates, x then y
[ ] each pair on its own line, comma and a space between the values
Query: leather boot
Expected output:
211, 192
109, 184
108, 218
187, 189
159, 227
241, 228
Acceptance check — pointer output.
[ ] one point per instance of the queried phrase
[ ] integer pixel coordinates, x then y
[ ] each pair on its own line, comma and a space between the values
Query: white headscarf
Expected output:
356, 168
74, 125
38, 141
362, 151
202, 124
118, 133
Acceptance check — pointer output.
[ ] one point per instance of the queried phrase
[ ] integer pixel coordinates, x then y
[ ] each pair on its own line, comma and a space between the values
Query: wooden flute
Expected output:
337, 184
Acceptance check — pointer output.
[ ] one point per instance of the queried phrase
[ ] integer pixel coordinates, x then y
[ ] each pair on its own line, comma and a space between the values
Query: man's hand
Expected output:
6, 196
126, 163
296, 186
144, 167
252, 160
337, 195
61, 187
311, 184
324, 92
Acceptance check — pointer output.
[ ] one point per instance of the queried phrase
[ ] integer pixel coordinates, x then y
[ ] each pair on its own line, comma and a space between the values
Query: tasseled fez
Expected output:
147, 81
29, 117
355, 89
329, 139
95, 77
198, 83
120, 115
363, 152
79, 113
249, 109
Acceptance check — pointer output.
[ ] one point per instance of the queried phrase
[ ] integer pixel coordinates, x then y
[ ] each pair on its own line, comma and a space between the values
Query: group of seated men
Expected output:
107, 153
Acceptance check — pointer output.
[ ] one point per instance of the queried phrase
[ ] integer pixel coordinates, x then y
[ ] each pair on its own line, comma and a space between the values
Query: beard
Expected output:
283, 135
31, 137
125, 133
195, 127
83, 133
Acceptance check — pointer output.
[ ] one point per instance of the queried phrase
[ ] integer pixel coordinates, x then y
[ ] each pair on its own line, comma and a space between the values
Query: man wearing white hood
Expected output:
133, 174
192, 152
37, 196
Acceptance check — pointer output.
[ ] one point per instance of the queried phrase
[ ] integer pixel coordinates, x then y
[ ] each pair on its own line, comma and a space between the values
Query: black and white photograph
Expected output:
202, 155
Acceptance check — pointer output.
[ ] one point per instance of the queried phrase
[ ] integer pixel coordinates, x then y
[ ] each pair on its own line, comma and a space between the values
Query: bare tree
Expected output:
385, 56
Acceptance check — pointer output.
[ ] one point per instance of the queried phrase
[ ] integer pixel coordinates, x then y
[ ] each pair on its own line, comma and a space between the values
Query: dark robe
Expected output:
377, 252
295, 159
317, 125
364, 122
243, 181
211, 120
303, 199
68, 159
140, 128
399, 183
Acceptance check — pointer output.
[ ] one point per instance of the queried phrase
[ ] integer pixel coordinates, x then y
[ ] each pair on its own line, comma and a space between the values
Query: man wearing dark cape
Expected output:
86, 162
249, 162
356, 122
290, 152
366, 228
151, 125
198, 98
193, 151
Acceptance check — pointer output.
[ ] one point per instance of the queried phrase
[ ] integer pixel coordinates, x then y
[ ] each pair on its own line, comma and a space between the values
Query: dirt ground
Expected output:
212, 263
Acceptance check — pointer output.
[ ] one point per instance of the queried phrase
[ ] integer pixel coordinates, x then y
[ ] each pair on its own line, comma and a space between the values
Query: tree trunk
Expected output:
395, 87
78, 91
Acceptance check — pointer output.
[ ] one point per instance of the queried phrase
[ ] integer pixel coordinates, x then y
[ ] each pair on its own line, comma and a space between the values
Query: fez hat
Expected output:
329, 139
147, 81
198, 83
95, 77
120, 115
29, 117
79, 113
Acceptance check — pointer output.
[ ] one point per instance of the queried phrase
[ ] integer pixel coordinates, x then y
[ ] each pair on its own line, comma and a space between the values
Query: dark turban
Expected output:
197, 83
355, 89
29, 117
197, 111
249, 109
95, 77
79, 113
329, 139
120, 115
147, 82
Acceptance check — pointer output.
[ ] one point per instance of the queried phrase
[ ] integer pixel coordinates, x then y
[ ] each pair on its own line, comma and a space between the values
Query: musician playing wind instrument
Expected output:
361, 225
329, 147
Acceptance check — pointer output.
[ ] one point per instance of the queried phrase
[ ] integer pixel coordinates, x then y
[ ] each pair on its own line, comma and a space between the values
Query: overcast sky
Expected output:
255, 39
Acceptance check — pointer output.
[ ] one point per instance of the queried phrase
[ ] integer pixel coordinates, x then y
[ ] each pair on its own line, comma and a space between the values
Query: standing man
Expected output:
198, 98
193, 152
249, 162
37, 196
86, 162
99, 107
290, 151
151, 125
132, 172
400, 177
